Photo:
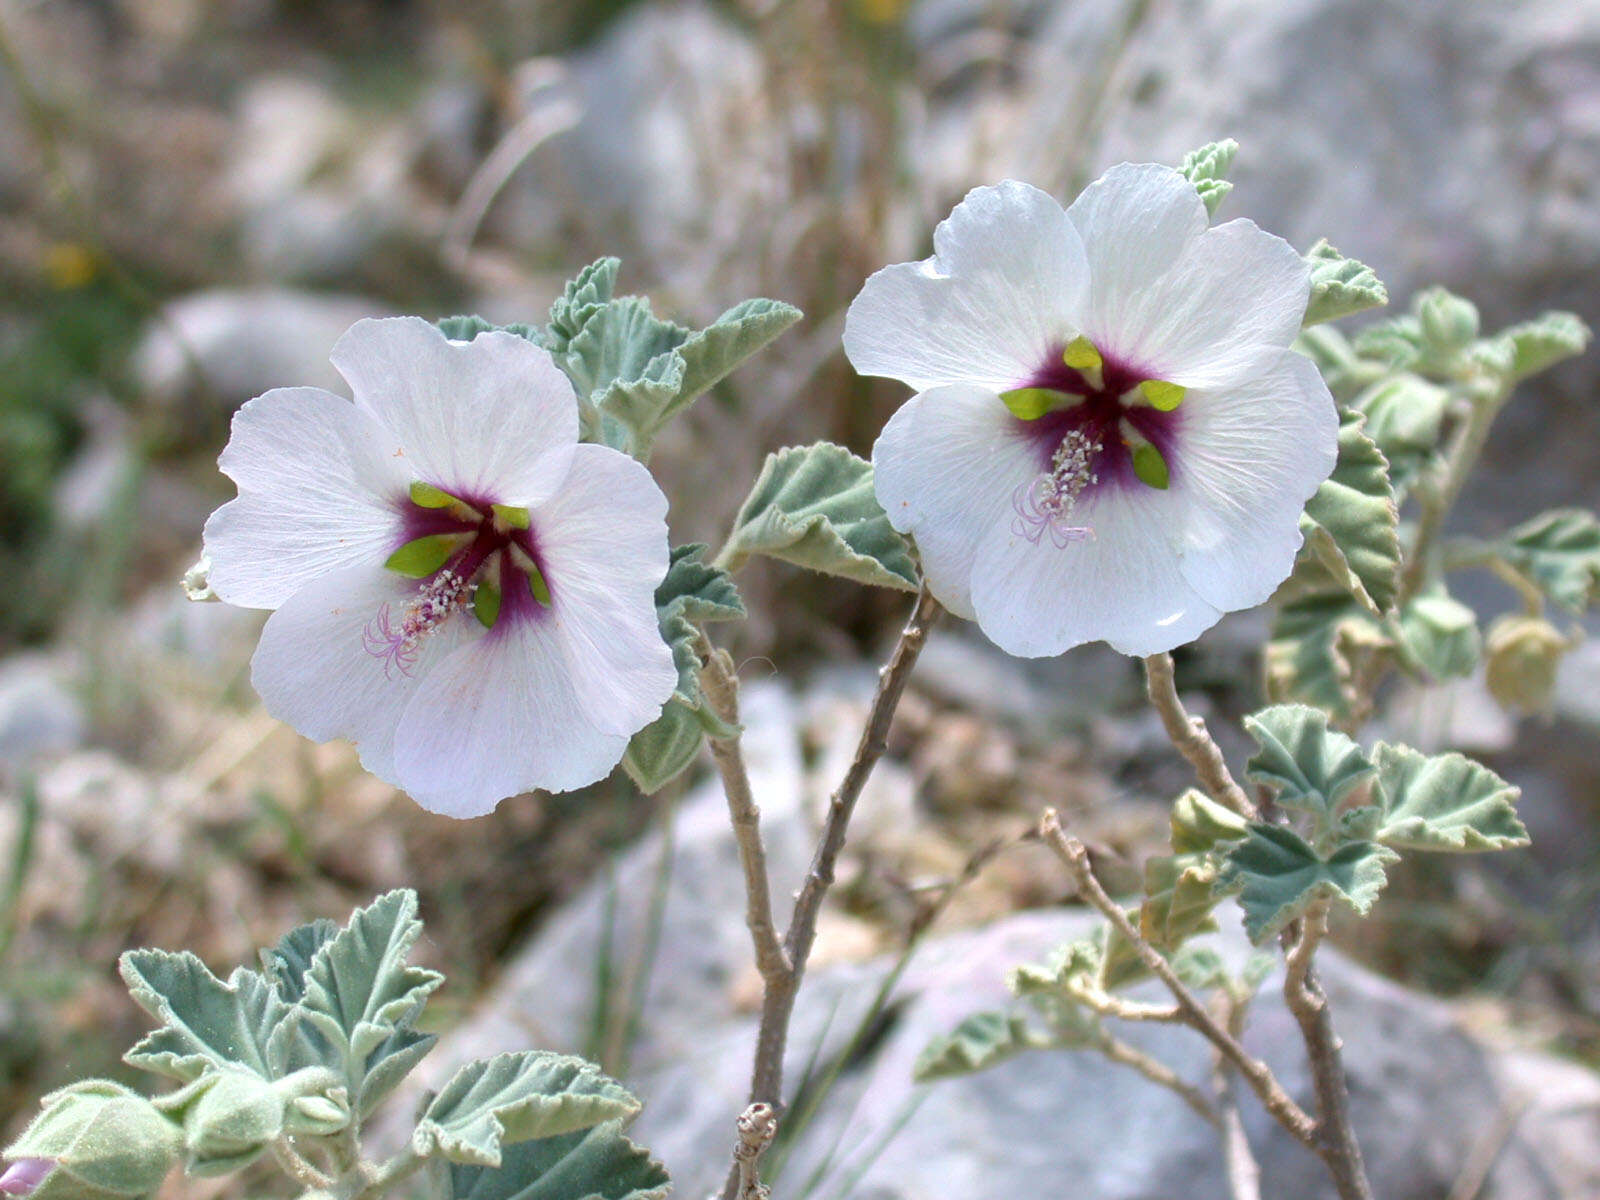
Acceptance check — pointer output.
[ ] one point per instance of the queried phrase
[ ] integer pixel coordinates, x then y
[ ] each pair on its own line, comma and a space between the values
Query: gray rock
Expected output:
247, 341
1428, 1094
40, 715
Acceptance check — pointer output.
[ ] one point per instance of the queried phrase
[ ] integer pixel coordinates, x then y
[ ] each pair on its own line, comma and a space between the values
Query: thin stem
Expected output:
1335, 1138
380, 1181
721, 688
297, 1167
1256, 1073
1123, 1010
1191, 738
892, 679
780, 987
1437, 500
1159, 1073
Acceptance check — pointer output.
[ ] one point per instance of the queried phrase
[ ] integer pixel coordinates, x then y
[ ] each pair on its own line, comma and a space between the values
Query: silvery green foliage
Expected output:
292, 1058
1407, 388
1358, 811
1340, 286
1206, 168
634, 372
811, 506
692, 593
814, 506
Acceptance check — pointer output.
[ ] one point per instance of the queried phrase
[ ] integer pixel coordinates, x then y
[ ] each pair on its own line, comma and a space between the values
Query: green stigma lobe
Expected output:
537, 585
422, 557
1163, 396
1150, 467
486, 604
1081, 355
510, 516
1031, 403
425, 495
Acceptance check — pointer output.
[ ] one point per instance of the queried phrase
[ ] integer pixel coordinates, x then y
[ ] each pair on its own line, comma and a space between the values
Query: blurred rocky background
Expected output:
198, 196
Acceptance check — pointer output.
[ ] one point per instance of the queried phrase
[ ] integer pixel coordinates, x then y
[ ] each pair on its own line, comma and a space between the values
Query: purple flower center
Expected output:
465, 552
1105, 424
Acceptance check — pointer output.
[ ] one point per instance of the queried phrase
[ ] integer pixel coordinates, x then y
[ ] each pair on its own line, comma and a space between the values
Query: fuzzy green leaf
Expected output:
1199, 823
389, 1063
1544, 341
981, 1041
1178, 899
586, 294
697, 590
710, 355
106, 1140
1074, 960
1560, 551
1445, 802
1340, 286
206, 1024
1404, 415
495, 1102
1205, 169
592, 1164
1396, 342
618, 341
1441, 635
1350, 524
464, 329
1278, 875
285, 964
814, 506
1319, 637
359, 990
1313, 769
665, 748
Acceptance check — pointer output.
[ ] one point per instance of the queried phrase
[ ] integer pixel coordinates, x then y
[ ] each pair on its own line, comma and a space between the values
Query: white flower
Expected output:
1111, 437
510, 642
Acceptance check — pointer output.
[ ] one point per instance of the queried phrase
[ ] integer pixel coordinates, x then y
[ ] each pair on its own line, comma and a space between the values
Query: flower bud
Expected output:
233, 1120
22, 1176
1524, 653
1449, 322
102, 1138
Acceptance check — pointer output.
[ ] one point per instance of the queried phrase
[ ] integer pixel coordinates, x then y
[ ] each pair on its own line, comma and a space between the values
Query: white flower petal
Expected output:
945, 468
1251, 456
497, 718
475, 418
319, 489
313, 669
1237, 292
1005, 286
603, 544
1122, 586
1136, 221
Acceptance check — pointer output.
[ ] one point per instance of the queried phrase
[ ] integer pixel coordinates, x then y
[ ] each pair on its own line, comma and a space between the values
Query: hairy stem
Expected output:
721, 687
782, 985
1123, 1010
1436, 501
381, 1180
1191, 738
1335, 1139
298, 1168
1157, 1072
1255, 1072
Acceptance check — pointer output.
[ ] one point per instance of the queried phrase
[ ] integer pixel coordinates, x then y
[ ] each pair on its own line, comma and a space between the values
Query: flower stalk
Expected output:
785, 963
